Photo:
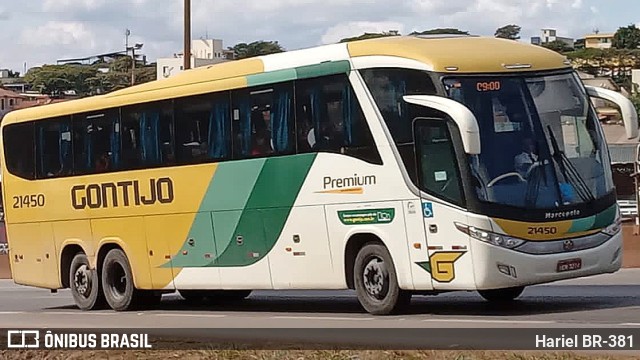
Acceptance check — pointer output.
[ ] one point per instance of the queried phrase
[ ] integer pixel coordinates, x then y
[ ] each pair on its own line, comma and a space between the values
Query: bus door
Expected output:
442, 205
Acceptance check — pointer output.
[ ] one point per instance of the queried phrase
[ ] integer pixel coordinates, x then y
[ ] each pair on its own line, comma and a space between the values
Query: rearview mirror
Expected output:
461, 115
627, 110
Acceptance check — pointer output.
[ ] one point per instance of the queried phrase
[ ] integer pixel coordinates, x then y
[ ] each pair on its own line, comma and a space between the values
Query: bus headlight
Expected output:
490, 237
613, 228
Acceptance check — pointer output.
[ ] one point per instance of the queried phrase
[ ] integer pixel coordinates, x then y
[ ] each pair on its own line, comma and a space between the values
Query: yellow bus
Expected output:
396, 167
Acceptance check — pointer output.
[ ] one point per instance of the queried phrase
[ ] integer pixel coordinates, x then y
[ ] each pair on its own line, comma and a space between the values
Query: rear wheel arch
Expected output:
352, 247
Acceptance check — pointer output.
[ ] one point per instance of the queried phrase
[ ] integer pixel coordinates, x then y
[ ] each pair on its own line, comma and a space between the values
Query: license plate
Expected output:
569, 265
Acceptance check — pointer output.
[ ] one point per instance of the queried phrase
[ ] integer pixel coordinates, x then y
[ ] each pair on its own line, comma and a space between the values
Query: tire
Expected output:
117, 282
376, 282
501, 295
85, 284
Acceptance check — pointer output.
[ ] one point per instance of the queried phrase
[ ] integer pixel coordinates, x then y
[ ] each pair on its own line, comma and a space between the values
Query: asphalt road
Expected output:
606, 301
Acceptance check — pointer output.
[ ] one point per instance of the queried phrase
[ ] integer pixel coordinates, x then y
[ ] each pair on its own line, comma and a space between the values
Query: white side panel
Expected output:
414, 221
302, 258
337, 179
198, 278
372, 218
367, 62
304, 57
450, 261
252, 277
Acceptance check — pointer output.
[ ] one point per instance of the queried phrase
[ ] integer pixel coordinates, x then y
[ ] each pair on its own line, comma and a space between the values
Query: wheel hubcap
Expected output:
82, 280
376, 279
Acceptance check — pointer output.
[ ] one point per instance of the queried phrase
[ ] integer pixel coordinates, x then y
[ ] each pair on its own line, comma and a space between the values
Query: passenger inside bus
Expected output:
103, 163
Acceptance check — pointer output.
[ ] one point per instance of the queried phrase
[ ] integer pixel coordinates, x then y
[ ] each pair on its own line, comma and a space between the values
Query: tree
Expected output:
627, 38
511, 32
366, 36
256, 48
441, 31
86, 80
558, 46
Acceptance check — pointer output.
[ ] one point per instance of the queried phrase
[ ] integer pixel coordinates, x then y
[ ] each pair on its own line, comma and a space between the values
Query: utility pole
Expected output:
187, 34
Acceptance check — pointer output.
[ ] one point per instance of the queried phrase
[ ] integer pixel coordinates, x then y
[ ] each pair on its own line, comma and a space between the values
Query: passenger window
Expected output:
330, 119
437, 163
19, 142
53, 146
96, 142
263, 122
146, 136
203, 129
388, 86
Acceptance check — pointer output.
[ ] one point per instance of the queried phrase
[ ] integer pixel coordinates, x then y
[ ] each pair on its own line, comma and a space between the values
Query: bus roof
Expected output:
451, 54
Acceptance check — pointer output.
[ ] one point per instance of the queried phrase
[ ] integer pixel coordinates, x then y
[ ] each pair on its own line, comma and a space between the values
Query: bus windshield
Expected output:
542, 146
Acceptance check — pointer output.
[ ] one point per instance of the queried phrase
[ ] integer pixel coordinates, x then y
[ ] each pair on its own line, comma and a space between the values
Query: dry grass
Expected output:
299, 355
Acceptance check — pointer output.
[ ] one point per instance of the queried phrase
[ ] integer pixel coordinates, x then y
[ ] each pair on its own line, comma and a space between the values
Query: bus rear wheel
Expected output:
376, 282
117, 280
501, 295
84, 283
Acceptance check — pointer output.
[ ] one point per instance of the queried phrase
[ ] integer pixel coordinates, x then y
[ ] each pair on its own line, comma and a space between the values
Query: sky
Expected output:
39, 32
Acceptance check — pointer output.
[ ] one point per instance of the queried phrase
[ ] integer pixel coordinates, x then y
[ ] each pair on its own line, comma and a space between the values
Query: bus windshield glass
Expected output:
542, 146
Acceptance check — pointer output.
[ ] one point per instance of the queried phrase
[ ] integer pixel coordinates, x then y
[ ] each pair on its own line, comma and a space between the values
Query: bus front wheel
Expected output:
501, 295
376, 282
85, 284
117, 280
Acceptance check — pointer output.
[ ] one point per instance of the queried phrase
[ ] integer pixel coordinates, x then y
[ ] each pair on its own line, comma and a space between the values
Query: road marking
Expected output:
630, 324
192, 315
11, 312
319, 318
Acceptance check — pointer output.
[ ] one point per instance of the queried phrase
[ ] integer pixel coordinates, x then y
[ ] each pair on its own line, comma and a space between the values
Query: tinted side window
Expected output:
96, 142
263, 122
146, 136
19, 150
437, 164
203, 128
53, 146
388, 86
330, 119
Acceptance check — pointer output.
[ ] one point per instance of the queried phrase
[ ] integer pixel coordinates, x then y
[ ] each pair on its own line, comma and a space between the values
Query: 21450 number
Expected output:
543, 230
28, 201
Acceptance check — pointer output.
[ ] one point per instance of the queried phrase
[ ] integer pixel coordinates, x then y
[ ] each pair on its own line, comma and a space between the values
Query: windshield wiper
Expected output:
568, 170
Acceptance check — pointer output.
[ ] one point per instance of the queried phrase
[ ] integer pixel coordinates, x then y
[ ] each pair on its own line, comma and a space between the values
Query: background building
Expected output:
550, 35
598, 41
203, 52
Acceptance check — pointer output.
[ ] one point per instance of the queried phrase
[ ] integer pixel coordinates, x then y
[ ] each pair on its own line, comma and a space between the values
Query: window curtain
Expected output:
219, 121
348, 114
41, 154
245, 125
317, 114
115, 143
149, 124
280, 116
65, 146
88, 146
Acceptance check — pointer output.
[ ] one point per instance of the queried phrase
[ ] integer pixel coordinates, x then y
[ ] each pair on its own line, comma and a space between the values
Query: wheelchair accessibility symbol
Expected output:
427, 210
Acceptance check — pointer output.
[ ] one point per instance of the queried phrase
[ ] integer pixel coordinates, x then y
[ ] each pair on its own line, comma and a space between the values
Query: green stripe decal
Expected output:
267, 210
301, 72
326, 68
271, 77
244, 212
594, 222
